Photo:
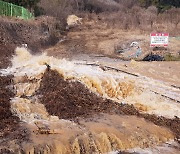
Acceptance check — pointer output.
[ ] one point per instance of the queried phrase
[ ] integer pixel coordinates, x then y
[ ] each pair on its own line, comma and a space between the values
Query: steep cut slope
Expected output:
36, 33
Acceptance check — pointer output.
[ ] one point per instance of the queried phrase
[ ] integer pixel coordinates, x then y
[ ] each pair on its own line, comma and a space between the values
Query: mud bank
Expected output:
71, 99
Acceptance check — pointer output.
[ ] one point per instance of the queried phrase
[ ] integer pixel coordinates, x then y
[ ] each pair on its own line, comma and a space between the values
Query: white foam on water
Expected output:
169, 147
28, 71
117, 86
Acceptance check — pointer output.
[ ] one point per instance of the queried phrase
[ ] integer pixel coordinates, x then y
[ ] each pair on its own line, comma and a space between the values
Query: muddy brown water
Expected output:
100, 125
85, 123
96, 124
71, 100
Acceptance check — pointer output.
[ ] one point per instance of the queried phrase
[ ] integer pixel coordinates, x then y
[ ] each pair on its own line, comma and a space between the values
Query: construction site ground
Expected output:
94, 44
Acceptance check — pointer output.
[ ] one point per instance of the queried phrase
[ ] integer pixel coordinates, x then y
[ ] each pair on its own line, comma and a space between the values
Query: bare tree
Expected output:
174, 16
58, 8
152, 12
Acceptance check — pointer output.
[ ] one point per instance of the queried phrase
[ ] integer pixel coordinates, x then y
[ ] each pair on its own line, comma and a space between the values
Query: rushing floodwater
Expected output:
125, 132
116, 86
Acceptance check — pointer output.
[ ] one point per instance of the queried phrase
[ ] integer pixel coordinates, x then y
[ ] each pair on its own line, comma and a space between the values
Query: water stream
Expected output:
104, 134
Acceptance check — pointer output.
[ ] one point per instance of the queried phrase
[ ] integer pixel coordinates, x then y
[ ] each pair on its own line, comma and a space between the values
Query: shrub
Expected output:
170, 57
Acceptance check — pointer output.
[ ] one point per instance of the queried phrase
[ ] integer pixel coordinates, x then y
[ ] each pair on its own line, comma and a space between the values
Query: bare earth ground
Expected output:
94, 37
88, 43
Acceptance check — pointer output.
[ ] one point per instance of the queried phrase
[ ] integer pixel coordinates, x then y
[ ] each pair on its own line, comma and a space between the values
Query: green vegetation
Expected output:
170, 57
162, 5
29, 4
9, 9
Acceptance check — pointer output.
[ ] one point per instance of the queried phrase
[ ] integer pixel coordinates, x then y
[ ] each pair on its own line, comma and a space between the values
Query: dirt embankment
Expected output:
37, 34
72, 100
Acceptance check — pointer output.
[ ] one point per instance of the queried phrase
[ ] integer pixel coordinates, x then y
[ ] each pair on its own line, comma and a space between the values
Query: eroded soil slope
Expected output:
8, 121
71, 100
37, 34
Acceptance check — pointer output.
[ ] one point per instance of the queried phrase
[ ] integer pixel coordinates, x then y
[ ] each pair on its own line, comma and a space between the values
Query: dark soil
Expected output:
8, 121
37, 34
10, 125
6, 52
153, 57
72, 100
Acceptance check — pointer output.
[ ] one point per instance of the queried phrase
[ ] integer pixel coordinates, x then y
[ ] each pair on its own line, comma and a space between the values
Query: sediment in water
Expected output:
67, 97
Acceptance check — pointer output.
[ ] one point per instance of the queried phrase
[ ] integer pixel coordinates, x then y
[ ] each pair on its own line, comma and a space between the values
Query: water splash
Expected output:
28, 71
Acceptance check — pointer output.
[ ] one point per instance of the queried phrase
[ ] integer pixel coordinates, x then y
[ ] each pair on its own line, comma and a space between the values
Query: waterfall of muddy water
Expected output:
104, 134
28, 70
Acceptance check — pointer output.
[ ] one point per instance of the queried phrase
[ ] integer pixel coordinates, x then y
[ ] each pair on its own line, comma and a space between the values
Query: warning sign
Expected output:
159, 39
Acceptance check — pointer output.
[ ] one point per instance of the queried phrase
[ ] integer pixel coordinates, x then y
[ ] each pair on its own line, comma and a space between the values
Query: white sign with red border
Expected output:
159, 39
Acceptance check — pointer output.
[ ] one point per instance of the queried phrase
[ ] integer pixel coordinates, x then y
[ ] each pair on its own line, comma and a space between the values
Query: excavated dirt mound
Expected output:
71, 100
37, 34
